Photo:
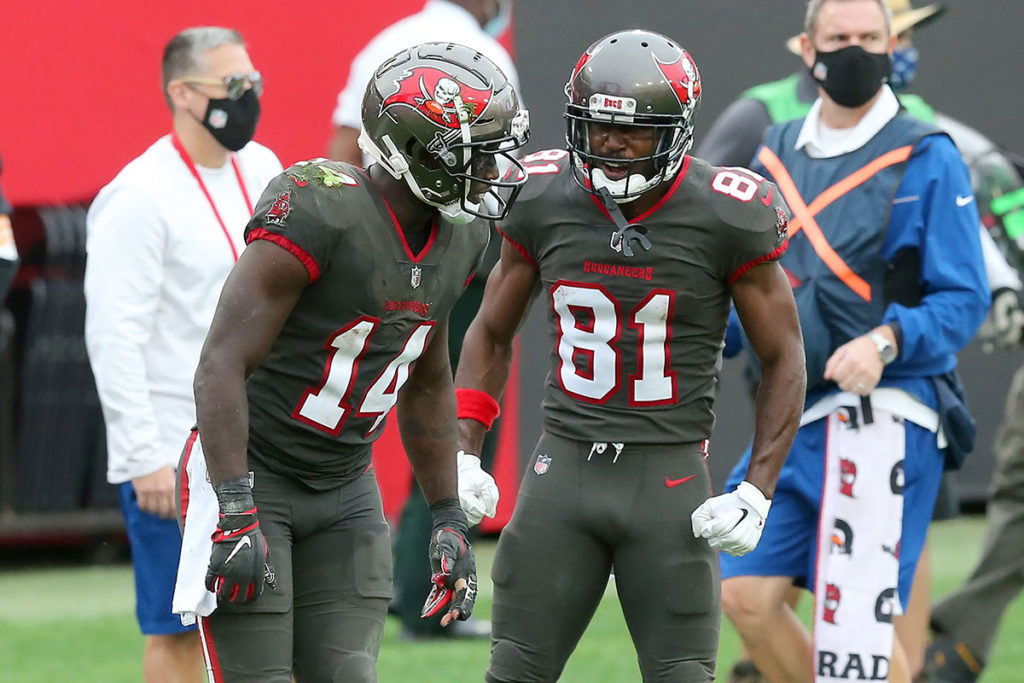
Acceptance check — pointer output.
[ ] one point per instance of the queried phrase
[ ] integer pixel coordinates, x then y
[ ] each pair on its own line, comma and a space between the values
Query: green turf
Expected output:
78, 625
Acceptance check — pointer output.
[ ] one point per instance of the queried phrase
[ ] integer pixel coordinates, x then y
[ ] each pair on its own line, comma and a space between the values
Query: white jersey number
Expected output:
589, 327
327, 406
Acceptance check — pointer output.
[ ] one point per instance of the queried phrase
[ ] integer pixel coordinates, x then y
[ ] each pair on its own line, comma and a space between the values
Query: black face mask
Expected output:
233, 122
851, 76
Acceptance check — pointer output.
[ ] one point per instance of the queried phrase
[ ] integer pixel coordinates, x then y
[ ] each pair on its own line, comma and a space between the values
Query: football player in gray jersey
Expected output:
638, 250
335, 313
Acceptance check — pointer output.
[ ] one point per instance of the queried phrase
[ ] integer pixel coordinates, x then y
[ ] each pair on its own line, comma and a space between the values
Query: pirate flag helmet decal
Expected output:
442, 116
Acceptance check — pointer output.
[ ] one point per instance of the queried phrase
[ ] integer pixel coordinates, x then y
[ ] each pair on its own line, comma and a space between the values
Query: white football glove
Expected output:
478, 494
732, 521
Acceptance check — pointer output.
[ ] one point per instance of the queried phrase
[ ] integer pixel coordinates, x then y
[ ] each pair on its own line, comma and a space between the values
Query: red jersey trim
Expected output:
415, 258
519, 248
660, 203
746, 267
280, 240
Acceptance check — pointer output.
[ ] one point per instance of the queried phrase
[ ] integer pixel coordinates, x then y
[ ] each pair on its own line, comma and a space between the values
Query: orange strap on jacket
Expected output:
804, 214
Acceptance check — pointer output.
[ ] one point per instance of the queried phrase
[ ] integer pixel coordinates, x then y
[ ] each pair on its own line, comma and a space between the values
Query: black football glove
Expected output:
240, 564
453, 564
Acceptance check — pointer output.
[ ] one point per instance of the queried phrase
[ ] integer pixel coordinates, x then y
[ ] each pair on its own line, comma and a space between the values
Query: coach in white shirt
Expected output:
162, 238
472, 23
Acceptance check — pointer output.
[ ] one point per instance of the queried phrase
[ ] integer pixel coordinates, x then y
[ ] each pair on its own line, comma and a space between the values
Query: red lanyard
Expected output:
202, 186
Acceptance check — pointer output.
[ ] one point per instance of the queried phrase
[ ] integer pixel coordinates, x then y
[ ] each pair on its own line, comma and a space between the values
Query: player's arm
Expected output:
257, 298
487, 347
765, 305
426, 420
764, 302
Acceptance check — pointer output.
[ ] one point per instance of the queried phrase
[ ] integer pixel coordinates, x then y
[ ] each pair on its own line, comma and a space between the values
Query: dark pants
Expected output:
332, 554
412, 564
579, 514
971, 614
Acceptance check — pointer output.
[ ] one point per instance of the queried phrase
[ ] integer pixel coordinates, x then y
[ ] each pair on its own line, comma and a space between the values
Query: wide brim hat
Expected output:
904, 18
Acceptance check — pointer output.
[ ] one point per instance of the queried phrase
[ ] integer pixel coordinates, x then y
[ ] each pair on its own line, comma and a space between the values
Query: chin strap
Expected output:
626, 233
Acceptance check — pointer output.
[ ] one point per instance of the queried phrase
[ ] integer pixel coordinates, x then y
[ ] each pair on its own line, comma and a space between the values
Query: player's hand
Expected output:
155, 492
732, 521
1007, 318
240, 565
478, 494
453, 565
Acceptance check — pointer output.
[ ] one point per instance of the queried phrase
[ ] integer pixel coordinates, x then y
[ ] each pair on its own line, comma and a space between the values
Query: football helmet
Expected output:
440, 116
632, 78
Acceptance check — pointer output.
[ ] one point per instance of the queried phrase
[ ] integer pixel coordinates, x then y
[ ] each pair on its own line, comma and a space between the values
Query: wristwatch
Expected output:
886, 351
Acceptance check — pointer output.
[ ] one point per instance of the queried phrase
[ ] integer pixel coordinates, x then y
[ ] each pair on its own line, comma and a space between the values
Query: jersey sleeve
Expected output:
545, 170
288, 215
754, 217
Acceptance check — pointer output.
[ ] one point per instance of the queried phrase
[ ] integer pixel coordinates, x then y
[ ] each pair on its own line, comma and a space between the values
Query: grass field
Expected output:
77, 624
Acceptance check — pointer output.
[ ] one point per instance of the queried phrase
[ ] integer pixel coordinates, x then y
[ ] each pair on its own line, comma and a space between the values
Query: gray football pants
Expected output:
331, 551
971, 614
577, 516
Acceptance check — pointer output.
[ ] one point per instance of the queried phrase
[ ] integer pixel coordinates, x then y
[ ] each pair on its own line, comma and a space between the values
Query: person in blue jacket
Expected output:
886, 265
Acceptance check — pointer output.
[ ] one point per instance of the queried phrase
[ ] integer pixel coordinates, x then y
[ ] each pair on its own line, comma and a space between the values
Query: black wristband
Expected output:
234, 496
448, 513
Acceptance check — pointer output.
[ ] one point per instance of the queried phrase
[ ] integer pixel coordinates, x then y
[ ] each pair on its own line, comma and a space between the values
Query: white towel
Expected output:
200, 512
859, 533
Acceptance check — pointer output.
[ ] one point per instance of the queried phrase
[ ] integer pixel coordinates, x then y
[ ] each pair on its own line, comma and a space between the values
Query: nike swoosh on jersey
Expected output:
672, 483
964, 201
243, 542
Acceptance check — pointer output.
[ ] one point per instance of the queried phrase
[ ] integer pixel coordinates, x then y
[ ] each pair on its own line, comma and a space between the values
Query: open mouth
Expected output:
614, 171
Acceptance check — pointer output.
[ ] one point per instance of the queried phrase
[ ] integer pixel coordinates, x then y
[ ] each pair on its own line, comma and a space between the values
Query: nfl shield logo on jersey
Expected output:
542, 464
414, 279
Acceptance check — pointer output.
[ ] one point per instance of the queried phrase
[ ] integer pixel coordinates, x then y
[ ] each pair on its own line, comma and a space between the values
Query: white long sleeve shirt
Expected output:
157, 259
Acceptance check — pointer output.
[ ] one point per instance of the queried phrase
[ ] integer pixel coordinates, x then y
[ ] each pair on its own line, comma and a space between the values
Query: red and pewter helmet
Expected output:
632, 78
430, 112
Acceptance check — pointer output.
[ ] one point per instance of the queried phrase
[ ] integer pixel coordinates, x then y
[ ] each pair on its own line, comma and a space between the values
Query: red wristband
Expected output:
477, 405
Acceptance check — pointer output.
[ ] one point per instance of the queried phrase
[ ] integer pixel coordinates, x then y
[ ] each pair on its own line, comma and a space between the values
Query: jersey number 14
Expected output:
327, 406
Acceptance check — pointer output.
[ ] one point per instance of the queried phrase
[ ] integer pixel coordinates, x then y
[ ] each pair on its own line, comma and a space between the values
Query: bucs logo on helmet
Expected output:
280, 209
439, 97
831, 605
847, 476
684, 78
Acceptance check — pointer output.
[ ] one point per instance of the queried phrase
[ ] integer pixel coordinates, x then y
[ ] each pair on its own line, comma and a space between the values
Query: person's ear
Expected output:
807, 51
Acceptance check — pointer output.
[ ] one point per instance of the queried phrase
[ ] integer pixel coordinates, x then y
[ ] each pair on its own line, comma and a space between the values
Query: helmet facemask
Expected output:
442, 146
672, 140
637, 79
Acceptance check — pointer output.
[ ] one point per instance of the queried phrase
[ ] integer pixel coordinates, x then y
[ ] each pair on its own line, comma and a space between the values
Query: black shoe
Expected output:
472, 629
745, 671
947, 661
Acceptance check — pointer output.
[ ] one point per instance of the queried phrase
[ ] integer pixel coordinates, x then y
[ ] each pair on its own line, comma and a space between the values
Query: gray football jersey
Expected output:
321, 395
637, 341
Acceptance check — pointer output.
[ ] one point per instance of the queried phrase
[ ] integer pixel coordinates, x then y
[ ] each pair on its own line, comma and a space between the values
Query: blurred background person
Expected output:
966, 621
733, 140
8, 250
162, 238
886, 278
475, 24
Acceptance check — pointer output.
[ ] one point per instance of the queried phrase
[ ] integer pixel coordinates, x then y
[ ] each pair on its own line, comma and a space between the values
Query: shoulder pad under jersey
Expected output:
740, 197
545, 169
